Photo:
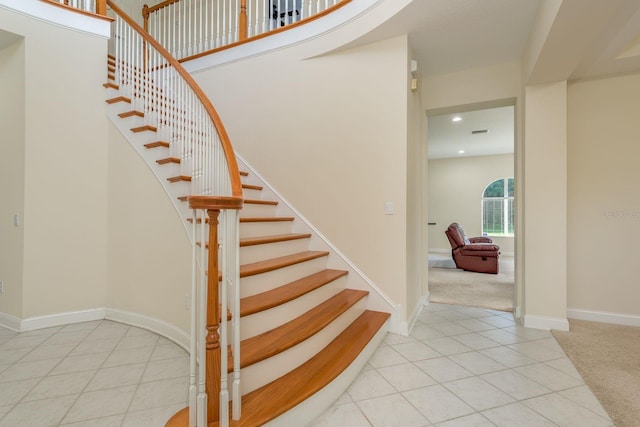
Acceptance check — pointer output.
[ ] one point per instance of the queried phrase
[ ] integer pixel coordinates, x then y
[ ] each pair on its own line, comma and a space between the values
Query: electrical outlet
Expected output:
187, 302
1, 287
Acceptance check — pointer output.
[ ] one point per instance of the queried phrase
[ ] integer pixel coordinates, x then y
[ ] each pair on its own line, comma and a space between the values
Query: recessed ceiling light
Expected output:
460, 151
456, 119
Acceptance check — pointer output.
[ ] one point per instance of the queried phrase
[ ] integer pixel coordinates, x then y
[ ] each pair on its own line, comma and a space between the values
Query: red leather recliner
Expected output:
477, 254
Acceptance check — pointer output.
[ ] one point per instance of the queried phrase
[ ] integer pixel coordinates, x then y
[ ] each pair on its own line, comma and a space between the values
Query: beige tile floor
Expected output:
467, 367
460, 367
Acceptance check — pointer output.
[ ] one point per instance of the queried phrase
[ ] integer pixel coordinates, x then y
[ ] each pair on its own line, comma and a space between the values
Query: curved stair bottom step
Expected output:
307, 411
279, 405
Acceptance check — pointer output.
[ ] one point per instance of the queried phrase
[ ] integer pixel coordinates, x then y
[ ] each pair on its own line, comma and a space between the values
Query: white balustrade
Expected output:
159, 87
191, 27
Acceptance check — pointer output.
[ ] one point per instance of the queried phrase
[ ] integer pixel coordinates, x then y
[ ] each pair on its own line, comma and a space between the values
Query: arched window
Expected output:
498, 208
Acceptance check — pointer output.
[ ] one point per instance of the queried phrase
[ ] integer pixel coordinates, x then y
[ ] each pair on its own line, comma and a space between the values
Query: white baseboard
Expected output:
10, 322
604, 317
547, 323
58, 319
158, 326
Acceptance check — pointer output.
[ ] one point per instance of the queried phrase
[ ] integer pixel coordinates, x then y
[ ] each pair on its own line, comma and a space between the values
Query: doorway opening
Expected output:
471, 171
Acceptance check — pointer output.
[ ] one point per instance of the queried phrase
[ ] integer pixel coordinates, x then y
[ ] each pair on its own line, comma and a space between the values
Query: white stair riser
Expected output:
249, 193
119, 107
169, 169
254, 210
263, 321
111, 93
255, 253
268, 370
134, 121
266, 281
304, 413
272, 228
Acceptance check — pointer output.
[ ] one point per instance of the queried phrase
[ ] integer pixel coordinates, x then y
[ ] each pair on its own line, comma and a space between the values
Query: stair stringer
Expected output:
356, 279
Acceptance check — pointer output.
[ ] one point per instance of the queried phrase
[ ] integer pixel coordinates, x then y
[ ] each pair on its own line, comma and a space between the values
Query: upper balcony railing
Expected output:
98, 7
191, 28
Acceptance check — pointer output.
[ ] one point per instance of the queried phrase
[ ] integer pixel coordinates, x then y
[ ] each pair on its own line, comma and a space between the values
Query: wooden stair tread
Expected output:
179, 178
243, 173
279, 396
166, 160
277, 340
285, 293
144, 128
252, 241
267, 219
265, 266
252, 187
260, 202
132, 113
110, 85
157, 144
252, 219
118, 99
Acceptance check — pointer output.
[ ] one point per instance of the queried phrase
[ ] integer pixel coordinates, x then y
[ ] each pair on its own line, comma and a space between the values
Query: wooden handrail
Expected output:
232, 164
162, 5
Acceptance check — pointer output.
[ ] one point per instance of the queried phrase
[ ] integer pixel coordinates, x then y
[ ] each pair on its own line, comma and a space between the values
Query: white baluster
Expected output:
194, 326
224, 377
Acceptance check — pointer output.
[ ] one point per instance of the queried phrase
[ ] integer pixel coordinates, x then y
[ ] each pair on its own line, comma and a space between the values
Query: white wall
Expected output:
478, 85
455, 192
604, 202
545, 190
149, 253
330, 134
12, 173
65, 147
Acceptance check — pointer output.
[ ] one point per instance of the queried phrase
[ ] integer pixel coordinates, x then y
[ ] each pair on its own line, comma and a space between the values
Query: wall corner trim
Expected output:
547, 323
10, 322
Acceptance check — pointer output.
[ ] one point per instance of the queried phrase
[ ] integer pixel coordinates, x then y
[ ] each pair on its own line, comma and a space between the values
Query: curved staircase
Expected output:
304, 333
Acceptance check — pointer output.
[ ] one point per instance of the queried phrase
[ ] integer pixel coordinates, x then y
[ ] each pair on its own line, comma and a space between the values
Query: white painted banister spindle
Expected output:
224, 302
233, 223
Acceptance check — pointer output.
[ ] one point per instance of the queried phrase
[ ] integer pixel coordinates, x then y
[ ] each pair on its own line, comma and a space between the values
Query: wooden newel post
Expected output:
213, 316
213, 358
145, 17
243, 20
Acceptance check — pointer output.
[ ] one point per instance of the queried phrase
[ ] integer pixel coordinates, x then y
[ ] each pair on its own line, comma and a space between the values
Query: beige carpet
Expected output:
608, 358
453, 286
